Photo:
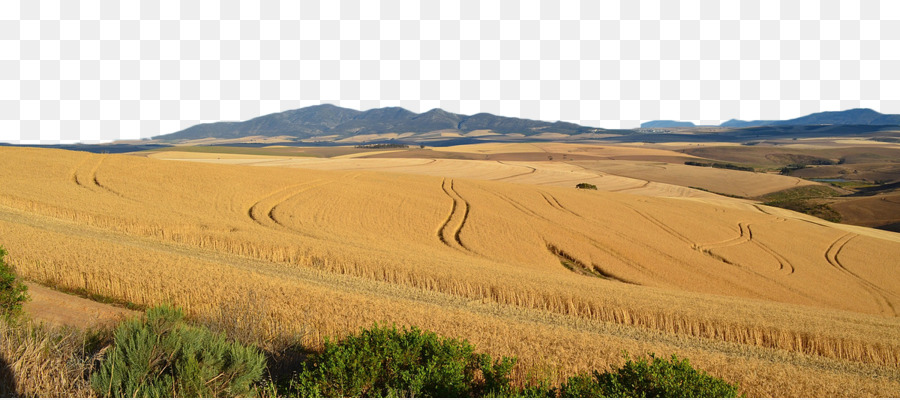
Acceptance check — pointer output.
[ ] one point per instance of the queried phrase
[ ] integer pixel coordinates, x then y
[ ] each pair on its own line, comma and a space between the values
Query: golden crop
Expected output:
566, 279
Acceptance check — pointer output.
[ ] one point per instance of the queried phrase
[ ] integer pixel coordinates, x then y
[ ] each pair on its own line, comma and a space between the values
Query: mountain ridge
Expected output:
328, 119
853, 116
328, 122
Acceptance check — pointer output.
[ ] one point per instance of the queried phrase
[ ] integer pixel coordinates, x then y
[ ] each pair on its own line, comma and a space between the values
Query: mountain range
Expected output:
329, 123
856, 116
337, 123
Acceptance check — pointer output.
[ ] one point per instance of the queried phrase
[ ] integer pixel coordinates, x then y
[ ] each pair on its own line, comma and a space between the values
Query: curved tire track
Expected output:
664, 227
89, 180
554, 202
459, 211
262, 212
532, 171
746, 236
880, 295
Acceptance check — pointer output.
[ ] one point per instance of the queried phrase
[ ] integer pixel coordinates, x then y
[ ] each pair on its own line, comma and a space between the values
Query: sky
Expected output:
101, 70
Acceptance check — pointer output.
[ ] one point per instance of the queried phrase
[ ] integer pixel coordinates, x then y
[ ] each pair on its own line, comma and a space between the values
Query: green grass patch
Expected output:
852, 185
802, 193
807, 200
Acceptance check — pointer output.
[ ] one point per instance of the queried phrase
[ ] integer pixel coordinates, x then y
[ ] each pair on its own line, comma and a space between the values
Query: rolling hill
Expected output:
782, 303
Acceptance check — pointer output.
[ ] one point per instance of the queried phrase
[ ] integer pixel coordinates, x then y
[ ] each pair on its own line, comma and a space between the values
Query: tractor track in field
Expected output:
668, 229
74, 175
631, 188
785, 264
777, 218
832, 254
446, 232
596, 244
745, 236
262, 211
554, 202
90, 180
532, 171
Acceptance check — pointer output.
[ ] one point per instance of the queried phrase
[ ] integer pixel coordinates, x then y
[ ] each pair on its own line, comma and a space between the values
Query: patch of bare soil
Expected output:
57, 308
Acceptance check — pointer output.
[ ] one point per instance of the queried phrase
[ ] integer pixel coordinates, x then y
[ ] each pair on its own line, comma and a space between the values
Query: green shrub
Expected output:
586, 186
653, 377
12, 291
160, 355
381, 362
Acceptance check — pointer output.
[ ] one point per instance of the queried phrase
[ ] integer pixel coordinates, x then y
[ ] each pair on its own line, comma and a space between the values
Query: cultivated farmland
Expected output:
782, 303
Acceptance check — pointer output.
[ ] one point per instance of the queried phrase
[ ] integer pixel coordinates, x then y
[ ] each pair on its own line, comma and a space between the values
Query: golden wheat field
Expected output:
781, 303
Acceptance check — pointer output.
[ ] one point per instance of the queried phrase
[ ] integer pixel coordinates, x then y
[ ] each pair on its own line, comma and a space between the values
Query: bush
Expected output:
381, 362
161, 356
653, 377
586, 186
12, 291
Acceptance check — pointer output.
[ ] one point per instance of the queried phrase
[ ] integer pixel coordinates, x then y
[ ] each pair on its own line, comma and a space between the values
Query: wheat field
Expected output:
781, 303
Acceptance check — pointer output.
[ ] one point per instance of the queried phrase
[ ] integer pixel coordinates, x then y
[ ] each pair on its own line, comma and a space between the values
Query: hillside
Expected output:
783, 304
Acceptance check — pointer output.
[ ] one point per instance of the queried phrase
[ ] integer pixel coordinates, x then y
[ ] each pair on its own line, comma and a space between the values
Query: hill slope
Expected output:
558, 276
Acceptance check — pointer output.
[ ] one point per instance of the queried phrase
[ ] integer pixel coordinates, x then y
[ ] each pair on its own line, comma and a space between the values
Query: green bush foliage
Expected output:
586, 186
649, 377
13, 293
160, 355
381, 362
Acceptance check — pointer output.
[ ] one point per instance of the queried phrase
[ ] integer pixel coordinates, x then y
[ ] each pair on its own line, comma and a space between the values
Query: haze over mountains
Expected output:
856, 116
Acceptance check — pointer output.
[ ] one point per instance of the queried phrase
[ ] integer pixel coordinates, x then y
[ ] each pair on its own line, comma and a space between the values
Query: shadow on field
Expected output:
284, 363
7, 380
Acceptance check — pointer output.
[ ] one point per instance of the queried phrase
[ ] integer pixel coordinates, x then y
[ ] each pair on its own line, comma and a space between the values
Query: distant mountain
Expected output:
736, 123
856, 116
329, 123
667, 124
339, 123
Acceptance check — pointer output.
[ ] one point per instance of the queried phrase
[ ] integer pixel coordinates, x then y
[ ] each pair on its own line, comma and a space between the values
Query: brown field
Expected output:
874, 211
781, 303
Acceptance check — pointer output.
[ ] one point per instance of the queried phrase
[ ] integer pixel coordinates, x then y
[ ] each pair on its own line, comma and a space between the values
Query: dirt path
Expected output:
57, 308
